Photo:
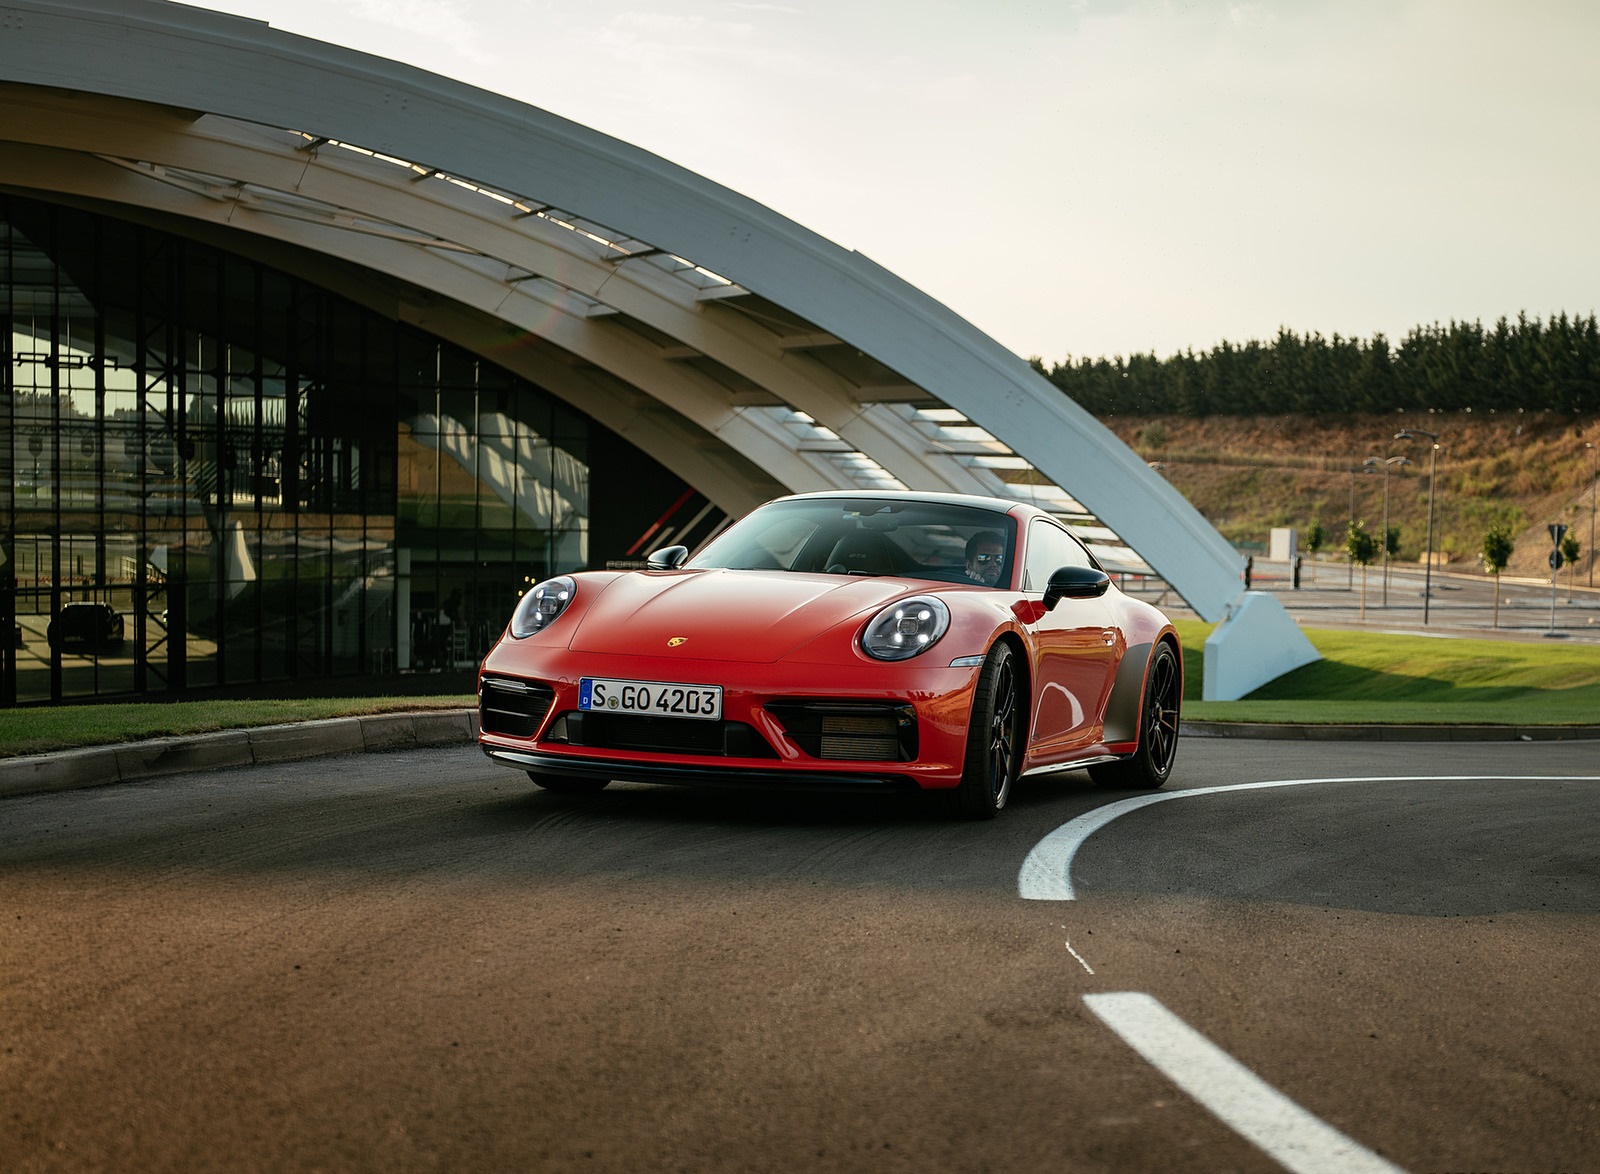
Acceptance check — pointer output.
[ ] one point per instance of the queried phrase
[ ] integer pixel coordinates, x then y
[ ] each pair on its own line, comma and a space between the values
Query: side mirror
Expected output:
668, 558
1075, 583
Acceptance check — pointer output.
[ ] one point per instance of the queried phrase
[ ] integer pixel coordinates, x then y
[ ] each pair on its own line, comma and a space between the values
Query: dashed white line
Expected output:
1047, 872
1079, 957
1243, 1101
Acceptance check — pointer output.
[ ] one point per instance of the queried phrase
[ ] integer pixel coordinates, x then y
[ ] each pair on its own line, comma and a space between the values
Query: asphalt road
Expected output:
415, 961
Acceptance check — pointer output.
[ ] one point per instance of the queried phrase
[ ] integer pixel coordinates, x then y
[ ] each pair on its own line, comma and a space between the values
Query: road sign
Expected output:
1557, 529
1556, 560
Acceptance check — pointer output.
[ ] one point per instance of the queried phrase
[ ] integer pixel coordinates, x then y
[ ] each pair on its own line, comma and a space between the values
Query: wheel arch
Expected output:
1019, 655
1125, 706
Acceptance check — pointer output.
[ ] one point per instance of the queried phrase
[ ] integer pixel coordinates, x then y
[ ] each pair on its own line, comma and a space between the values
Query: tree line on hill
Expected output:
1526, 364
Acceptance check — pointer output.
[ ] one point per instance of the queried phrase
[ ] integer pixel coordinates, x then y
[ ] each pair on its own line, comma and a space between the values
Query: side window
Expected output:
1049, 549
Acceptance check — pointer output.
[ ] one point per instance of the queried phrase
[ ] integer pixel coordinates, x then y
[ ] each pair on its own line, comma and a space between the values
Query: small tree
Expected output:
1362, 547
1497, 548
1570, 549
1316, 538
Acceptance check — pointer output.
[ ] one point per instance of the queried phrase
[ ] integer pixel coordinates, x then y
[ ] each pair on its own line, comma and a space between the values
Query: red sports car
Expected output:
846, 641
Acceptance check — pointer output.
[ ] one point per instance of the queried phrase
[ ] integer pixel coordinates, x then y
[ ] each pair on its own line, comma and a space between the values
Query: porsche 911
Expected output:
855, 641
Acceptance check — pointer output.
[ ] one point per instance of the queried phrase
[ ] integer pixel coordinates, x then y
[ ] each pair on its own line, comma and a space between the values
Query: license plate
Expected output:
656, 698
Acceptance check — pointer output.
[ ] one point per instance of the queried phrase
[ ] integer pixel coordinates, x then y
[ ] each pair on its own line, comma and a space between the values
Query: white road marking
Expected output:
1047, 872
1079, 957
1238, 1097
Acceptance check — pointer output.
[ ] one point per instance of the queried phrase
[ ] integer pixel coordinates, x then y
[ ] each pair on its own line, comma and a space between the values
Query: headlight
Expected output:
542, 604
904, 629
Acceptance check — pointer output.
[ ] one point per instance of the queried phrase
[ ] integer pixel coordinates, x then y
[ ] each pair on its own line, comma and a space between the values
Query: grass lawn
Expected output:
1380, 677
32, 731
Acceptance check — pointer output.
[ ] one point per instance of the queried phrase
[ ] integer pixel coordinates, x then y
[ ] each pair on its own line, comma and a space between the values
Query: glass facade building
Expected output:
215, 474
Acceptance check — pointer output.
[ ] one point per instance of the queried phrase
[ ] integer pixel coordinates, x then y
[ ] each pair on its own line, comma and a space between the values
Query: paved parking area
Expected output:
1330, 596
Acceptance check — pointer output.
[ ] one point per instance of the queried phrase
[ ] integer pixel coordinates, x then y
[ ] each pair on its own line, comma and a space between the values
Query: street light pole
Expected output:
1350, 580
1387, 463
1594, 477
1427, 555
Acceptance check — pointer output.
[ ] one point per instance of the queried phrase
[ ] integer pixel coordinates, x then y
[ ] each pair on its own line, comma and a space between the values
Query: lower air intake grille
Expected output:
513, 707
666, 735
850, 731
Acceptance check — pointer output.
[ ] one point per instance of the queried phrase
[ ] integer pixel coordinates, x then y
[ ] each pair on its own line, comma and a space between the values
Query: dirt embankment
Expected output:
1248, 474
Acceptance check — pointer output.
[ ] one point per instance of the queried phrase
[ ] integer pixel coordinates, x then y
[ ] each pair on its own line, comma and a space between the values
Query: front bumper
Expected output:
761, 745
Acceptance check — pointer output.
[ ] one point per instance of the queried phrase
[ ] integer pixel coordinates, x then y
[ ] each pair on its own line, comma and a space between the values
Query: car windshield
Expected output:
869, 536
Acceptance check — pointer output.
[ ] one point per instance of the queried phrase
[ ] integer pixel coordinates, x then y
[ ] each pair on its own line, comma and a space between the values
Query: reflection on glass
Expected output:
258, 480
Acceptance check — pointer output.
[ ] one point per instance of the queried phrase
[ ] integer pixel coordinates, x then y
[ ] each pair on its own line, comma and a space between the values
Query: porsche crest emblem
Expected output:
677, 640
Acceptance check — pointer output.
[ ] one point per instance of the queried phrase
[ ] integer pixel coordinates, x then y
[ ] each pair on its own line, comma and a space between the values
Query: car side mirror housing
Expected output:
1075, 583
668, 558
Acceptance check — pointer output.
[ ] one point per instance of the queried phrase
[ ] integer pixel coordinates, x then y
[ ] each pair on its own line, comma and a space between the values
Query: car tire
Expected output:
569, 784
1150, 765
994, 739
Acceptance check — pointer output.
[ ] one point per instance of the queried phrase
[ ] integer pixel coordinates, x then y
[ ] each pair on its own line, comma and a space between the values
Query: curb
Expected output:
1372, 732
99, 766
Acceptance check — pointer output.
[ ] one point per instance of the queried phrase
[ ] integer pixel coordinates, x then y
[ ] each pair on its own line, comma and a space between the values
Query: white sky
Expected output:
1094, 177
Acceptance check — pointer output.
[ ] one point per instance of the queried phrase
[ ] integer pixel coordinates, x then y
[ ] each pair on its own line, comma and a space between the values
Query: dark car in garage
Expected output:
91, 626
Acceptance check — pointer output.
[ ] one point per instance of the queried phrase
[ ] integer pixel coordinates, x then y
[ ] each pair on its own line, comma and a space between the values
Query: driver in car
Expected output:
986, 550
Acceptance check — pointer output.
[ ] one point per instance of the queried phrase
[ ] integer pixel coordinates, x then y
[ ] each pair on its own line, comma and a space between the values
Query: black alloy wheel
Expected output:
994, 739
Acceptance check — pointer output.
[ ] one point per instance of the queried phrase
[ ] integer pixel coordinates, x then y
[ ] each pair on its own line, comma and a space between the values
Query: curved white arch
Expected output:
752, 330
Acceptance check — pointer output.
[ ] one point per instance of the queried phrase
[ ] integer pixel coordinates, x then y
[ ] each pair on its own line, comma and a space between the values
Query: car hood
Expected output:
752, 616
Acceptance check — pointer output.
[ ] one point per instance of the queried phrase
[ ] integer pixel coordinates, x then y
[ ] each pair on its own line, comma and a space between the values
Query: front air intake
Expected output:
511, 707
861, 738
659, 735
850, 731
